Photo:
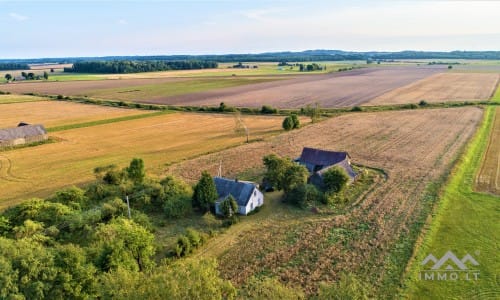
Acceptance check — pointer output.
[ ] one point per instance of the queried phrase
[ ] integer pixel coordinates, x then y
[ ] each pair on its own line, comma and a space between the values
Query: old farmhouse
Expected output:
23, 134
246, 194
319, 161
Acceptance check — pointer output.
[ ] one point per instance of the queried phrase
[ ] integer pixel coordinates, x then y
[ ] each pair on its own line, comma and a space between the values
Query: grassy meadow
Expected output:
9, 99
465, 222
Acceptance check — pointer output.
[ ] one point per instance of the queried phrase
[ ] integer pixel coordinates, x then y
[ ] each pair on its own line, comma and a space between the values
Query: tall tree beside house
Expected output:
276, 168
229, 206
295, 175
205, 192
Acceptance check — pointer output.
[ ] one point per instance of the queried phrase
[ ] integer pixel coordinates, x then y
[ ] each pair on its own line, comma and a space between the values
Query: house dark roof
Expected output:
9, 134
343, 164
321, 157
240, 190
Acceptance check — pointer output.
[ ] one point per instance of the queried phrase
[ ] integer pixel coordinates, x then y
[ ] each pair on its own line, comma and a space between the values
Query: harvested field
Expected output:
488, 179
38, 171
57, 113
330, 90
415, 148
443, 87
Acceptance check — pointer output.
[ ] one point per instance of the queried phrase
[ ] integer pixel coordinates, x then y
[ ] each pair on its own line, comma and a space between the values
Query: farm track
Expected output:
488, 177
414, 147
6, 170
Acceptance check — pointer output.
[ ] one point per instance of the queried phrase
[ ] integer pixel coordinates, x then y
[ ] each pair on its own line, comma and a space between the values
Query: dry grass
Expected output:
414, 147
488, 179
160, 140
52, 113
443, 87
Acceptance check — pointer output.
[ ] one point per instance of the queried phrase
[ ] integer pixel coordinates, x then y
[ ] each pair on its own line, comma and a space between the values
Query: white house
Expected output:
246, 194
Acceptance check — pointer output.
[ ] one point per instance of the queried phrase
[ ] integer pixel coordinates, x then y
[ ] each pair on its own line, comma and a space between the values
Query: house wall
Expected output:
256, 200
25, 140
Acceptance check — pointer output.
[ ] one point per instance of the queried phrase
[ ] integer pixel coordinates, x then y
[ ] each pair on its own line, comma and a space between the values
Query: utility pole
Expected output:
128, 206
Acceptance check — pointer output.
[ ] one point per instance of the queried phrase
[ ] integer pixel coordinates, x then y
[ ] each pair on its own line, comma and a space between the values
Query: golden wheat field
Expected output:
56, 113
159, 140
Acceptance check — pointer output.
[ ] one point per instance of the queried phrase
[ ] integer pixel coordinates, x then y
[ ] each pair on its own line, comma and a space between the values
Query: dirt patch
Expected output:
443, 87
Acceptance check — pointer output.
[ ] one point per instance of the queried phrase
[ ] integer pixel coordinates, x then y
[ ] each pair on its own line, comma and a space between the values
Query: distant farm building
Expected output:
23, 134
246, 194
319, 161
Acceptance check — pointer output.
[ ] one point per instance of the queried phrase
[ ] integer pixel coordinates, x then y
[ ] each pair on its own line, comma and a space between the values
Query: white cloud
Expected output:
18, 17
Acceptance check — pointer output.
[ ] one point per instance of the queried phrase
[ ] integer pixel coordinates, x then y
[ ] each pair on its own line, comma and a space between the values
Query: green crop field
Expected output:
466, 222
150, 91
9, 99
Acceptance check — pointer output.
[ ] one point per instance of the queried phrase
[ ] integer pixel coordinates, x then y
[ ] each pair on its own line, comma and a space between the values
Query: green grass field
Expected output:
74, 77
150, 91
8, 99
465, 222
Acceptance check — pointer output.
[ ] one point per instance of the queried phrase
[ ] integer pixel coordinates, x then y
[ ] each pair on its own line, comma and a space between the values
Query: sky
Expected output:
32, 29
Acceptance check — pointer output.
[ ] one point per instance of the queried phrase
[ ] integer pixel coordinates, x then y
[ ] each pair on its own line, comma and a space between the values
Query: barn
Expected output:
246, 194
23, 134
319, 161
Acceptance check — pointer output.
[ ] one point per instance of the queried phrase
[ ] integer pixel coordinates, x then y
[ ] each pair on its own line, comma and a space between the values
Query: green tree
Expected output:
295, 175
8, 77
229, 206
45, 75
303, 195
288, 123
335, 179
296, 121
136, 171
124, 244
24, 75
205, 192
276, 168
73, 197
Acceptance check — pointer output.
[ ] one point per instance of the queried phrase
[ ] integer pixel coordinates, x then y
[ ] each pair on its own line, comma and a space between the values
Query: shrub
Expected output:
178, 207
303, 195
194, 237
422, 103
288, 123
183, 246
335, 179
268, 110
229, 206
356, 108
60, 97
296, 121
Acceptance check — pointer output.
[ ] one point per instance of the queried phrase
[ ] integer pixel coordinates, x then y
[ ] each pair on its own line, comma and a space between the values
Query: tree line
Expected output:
14, 66
128, 66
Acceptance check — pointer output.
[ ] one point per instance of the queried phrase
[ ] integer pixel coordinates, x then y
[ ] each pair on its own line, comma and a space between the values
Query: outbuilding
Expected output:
23, 134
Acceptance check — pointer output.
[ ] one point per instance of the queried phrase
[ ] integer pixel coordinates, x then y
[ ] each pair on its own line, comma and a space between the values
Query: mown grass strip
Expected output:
465, 222
106, 121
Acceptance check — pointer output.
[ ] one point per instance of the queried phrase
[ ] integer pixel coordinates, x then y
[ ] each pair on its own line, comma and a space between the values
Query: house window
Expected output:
255, 193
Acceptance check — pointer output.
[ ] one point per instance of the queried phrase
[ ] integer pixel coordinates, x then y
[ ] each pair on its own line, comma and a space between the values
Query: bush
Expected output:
230, 221
422, 103
268, 110
183, 246
194, 237
335, 179
60, 97
356, 108
303, 195
178, 207
288, 123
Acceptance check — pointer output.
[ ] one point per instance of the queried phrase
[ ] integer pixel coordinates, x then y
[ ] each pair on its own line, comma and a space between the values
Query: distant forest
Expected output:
304, 56
14, 66
127, 66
